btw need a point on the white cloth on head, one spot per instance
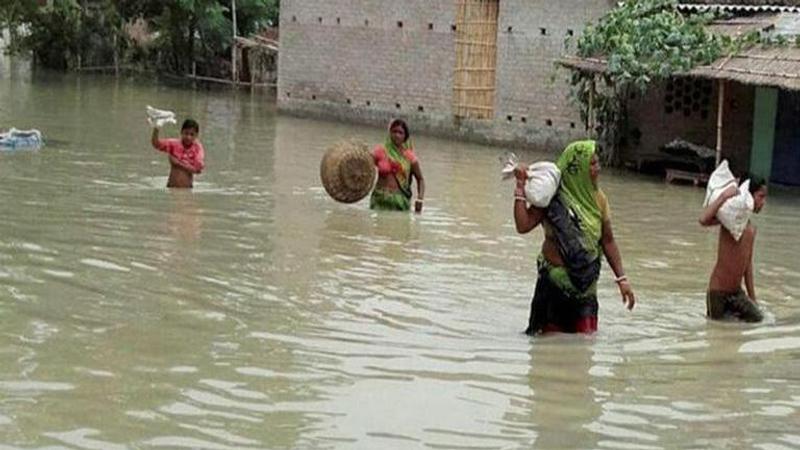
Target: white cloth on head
(158, 118)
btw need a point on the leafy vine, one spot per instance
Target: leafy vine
(641, 42)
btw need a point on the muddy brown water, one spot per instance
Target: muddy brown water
(255, 312)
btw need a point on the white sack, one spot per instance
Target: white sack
(158, 118)
(736, 211)
(719, 180)
(542, 184)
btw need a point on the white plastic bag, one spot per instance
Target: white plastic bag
(157, 118)
(736, 211)
(542, 184)
(16, 139)
(543, 179)
(719, 180)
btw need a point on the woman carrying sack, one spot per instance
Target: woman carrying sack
(577, 228)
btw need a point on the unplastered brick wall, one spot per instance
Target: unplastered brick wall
(378, 55)
(369, 60)
(531, 37)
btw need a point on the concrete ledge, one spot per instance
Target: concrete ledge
(491, 132)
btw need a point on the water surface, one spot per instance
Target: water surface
(255, 312)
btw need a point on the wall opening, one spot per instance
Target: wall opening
(476, 58)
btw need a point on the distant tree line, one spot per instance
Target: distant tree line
(166, 35)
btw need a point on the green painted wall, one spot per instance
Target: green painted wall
(764, 113)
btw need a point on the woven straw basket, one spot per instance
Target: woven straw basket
(348, 171)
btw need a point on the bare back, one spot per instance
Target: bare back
(733, 259)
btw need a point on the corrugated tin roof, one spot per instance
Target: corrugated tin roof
(742, 2)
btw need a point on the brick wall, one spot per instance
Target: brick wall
(655, 120)
(532, 91)
(370, 60)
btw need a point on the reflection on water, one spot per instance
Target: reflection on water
(254, 312)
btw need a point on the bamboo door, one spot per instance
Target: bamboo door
(476, 58)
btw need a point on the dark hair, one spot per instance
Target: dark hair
(191, 123)
(401, 123)
(756, 181)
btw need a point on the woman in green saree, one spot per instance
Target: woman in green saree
(397, 163)
(577, 228)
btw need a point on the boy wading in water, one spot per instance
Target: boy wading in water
(725, 298)
(185, 154)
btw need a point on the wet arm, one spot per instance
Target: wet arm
(525, 218)
(154, 139)
(611, 251)
(416, 169)
(709, 216)
(197, 163)
(193, 164)
(184, 164)
(749, 282)
(614, 258)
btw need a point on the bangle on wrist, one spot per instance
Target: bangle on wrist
(520, 198)
(620, 279)
(419, 200)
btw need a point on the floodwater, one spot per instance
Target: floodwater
(255, 312)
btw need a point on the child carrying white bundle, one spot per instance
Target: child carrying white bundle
(736, 211)
(542, 181)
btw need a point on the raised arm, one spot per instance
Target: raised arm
(154, 138)
(709, 216)
(525, 218)
(614, 259)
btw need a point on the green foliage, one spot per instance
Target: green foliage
(254, 15)
(91, 31)
(54, 33)
(647, 40)
(202, 31)
(189, 29)
(12, 14)
(643, 41)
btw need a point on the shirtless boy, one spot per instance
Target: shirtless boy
(725, 297)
